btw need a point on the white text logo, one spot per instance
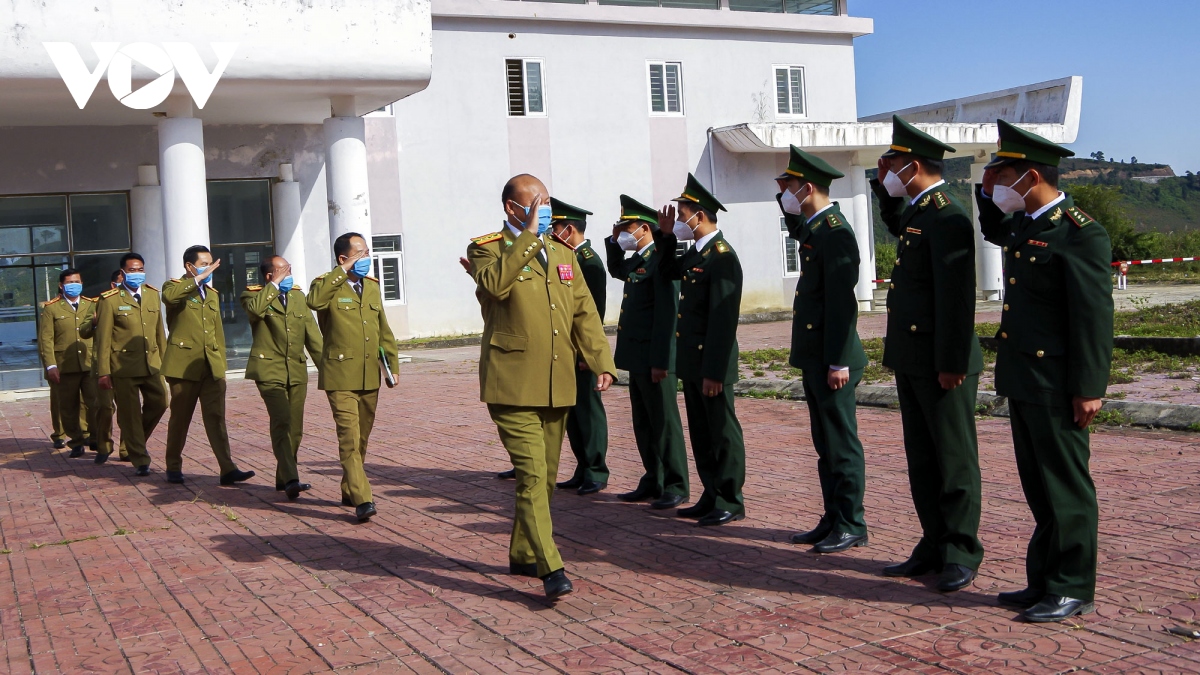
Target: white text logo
(166, 61)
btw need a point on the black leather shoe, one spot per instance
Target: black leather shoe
(837, 542)
(571, 484)
(1057, 608)
(292, 489)
(175, 477)
(304, 487)
(590, 487)
(638, 495)
(1024, 598)
(236, 476)
(814, 535)
(364, 511)
(101, 458)
(76, 451)
(523, 570)
(911, 568)
(955, 577)
(60, 444)
(694, 511)
(511, 474)
(143, 470)
(719, 517)
(556, 584)
(667, 501)
(346, 501)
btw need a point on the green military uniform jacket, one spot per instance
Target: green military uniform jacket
(592, 269)
(354, 330)
(825, 308)
(280, 335)
(129, 335)
(649, 304)
(195, 333)
(535, 319)
(1056, 330)
(931, 298)
(64, 335)
(710, 300)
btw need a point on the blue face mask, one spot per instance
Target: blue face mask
(286, 284)
(72, 290)
(135, 280)
(362, 267)
(544, 213)
(201, 270)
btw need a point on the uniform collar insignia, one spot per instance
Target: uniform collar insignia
(1058, 212)
(925, 202)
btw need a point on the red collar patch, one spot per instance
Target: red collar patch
(1038, 243)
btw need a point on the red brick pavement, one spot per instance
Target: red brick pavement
(109, 573)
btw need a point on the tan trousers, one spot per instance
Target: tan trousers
(354, 415)
(285, 409)
(210, 392)
(76, 399)
(141, 403)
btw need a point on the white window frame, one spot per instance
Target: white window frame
(650, 90)
(784, 238)
(803, 91)
(388, 110)
(377, 259)
(525, 61)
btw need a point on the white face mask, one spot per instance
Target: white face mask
(894, 186)
(1009, 200)
(627, 241)
(791, 204)
(683, 231)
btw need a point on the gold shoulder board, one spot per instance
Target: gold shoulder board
(150, 287)
(941, 200)
(1078, 216)
(721, 247)
(51, 302)
(587, 254)
(254, 288)
(488, 238)
(110, 292)
(834, 221)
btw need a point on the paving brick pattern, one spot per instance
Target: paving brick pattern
(107, 573)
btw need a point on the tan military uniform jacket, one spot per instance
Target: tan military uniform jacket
(64, 335)
(129, 336)
(280, 335)
(196, 339)
(534, 320)
(354, 329)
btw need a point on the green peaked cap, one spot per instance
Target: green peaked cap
(1018, 144)
(632, 209)
(696, 193)
(908, 139)
(809, 168)
(560, 210)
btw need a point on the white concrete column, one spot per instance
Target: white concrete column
(146, 223)
(860, 218)
(184, 190)
(289, 239)
(346, 170)
(989, 263)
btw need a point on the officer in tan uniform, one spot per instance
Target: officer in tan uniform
(100, 418)
(68, 355)
(357, 341)
(194, 364)
(129, 345)
(527, 362)
(283, 326)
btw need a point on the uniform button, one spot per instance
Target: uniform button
(1040, 353)
(556, 357)
(618, 328)
(908, 243)
(1012, 280)
(625, 296)
(520, 278)
(889, 310)
(677, 335)
(180, 344)
(809, 326)
(1032, 258)
(341, 356)
(1004, 335)
(797, 292)
(1017, 254)
(897, 261)
(913, 328)
(261, 356)
(1006, 249)
(368, 339)
(555, 332)
(699, 346)
(1006, 306)
(891, 285)
(622, 310)
(681, 296)
(807, 258)
(552, 306)
(801, 274)
(678, 316)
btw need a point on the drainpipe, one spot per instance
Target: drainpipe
(712, 172)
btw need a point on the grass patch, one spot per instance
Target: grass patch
(1112, 418)
(1174, 320)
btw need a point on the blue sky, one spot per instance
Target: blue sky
(1139, 62)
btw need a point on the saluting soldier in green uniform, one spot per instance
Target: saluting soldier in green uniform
(539, 320)
(67, 354)
(1053, 361)
(101, 418)
(825, 346)
(587, 424)
(282, 325)
(706, 356)
(194, 364)
(356, 336)
(646, 348)
(931, 345)
(129, 348)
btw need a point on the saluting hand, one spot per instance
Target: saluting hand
(531, 219)
(666, 219)
(351, 259)
(603, 382)
(208, 272)
(466, 264)
(989, 181)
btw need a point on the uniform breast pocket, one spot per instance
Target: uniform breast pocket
(181, 344)
(913, 257)
(1044, 269)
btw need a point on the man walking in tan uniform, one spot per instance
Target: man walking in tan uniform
(67, 353)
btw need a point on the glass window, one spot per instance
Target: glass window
(666, 88)
(526, 87)
(33, 225)
(789, 90)
(687, 4)
(823, 7)
(388, 254)
(100, 222)
(791, 251)
(96, 270)
(239, 212)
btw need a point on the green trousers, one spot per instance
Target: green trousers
(210, 393)
(76, 401)
(659, 434)
(59, 431)
(841, 468)
(587, 429)
(533, 438)
(354, 417)
(943, 467)
(141, 403)
(101, 424)
(1052, 460)
(717, 447)
(285, 410)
